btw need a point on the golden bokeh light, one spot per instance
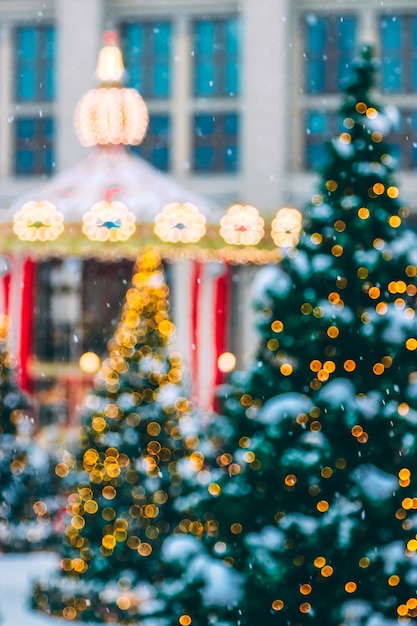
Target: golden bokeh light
(89, 362)
(226, 362)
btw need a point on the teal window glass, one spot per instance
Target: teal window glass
(216, 53)
(147, 56)
(398, 38)
(156, 146)
(34, 71)
(330, 42)
(215, 144)
(402, 141)
(318, 128)
(34, 152)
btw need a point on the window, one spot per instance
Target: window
(216, 70)
(216, 142)
(318, 128)
(34, 84)
(402, 141)
(34, 64)
(147, 58)
(147, 53)
(398, 72)
(330, 45)
(34, 146)
(156, 146)
(216, 58)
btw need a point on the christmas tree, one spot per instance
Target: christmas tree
(25, 505)
(137, 430)
(314, 498)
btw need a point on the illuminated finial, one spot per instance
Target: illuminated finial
(110, 68)
(111, 114)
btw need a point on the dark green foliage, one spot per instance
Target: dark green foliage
(316, 496)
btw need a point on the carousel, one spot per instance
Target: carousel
(68, 249)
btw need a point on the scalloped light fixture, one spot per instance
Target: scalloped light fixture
(180, 223)
(286, 227)
(109, 221)
(38, 221)
(111, 114)
(242, 225)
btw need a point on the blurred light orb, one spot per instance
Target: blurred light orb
(110, 66)
(286, 227)
(226, 362)
(242, 225)
(89, 362)
(111, 115)
(180, 223)
(38, 221)
(109, 221)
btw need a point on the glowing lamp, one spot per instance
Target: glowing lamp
(38, 221)
(242, 225)
(111, 116)
(286, 227)
(226, 362)
(180, 223)
(89, 362)
(109, 221)
(110, 68)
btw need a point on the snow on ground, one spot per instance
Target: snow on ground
(16, 573)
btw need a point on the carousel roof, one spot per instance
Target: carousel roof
(111, 173)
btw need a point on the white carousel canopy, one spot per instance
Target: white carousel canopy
(111, 173)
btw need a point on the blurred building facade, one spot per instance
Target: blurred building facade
(241, 95)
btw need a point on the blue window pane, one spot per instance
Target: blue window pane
(216, 143)
(315, 157)
(204, 157)
(26, 85)
(205, 124)
(231, 158)
(315, 122)
(216, 57)
(34, 146)
(347, 34)
(160, 158)
(391, 32)
(155, 147)
(232, 78)
(315, 76)
(205, 79)
(316, 34)
(147, 52)
(26, 43)
(329, 50)
(232, 36)
(162, 38)
(391, 74)
(25, 161)
(161, 80)
(25, 129)
(205, 37)
(35, 48)
(231, 124)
